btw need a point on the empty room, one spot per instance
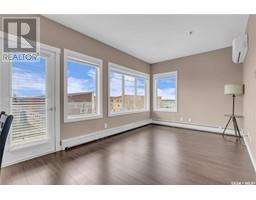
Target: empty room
(128, 99)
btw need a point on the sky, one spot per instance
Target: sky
(81, 77)
(166, 88)
(129, 84)
(115, 84)
(28, 78)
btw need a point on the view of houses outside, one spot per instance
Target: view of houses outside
(133, 96)
(116, 103)
(81, 103)
(166, 103)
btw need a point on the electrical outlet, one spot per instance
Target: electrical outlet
(189, 119)
(181, 119)
(106, 125)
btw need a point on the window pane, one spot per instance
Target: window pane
(29, 79)
(28, 102)
(129, 92)
(81, 86)
(115, 91)
(141, 91)
(166, 93)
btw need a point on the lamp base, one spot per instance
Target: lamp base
(236, 128)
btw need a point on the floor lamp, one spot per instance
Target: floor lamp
(234, 90)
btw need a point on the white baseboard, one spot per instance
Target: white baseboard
(250, 153)
(194, 127)
(74, 141)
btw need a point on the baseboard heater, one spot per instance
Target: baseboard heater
(194, 127)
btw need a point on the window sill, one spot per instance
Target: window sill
(77, 119)
(127, 113)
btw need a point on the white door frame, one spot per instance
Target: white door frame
(56, 52)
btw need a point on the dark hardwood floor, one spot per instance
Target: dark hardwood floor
(148, 155)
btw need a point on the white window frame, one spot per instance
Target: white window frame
(130, 72)
(69, 54)
(159, 76)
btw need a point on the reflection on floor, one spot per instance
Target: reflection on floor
(148, 155)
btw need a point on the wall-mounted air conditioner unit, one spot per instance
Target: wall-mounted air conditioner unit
(239, 49)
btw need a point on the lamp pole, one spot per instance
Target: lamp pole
(233, 108)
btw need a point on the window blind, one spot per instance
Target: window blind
(30, 118)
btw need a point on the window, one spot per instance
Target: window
(83, 88)
(128, 90)
(28, 101)
(165, 92)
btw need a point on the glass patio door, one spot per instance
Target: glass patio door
(29, 95)
(29, 102)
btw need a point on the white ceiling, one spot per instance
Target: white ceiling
(155, 38)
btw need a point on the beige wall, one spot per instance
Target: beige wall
(201, 80)
(249, 78)
(57, 35)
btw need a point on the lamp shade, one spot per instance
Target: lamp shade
(234, 89)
